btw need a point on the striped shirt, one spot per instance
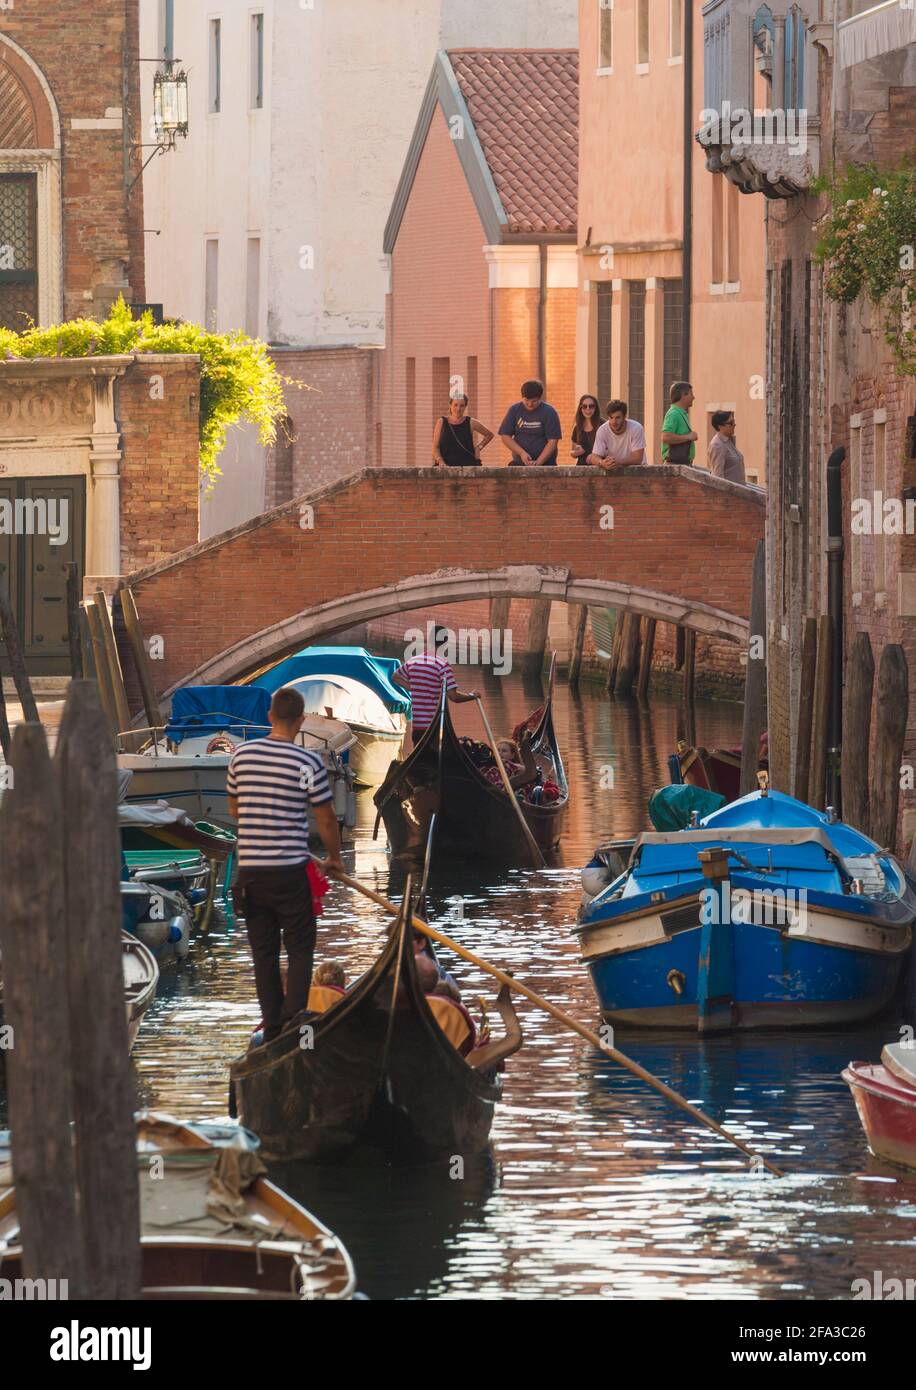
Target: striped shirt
(275, 783)
(424, 676)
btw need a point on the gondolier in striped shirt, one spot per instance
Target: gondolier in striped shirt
(424, 677)
(272, 783)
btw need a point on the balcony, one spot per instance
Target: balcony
(771, 149)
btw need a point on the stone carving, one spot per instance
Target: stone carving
(30, 408)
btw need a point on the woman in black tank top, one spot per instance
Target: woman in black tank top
(453, 437)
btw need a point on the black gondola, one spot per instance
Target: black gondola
(473, 816)
(369, 1074)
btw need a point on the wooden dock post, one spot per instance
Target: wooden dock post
(645, 659)
(39, 1066)
(115, 674)
(857, 699)
(688, 702)
(629, 655)
(616, 645)
(805, 718)
(893, 703)
(499, 612)
(820, 726)
(140, 653)
(100, 664)
(10, 634)
(73, 621)
(104, 1129)
(536, 642)
(4, 725)
(579, 618)
(755, 682)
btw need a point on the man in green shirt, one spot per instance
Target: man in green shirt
(677, 436)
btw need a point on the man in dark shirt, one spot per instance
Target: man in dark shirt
(531, 428)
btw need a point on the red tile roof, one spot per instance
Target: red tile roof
(525, 107)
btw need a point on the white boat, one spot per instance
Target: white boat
(186, 764)
(378, 732)
(141, 980)
(211, 1225)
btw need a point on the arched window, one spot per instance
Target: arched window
(30, 195)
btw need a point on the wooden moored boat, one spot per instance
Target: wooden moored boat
(376, 1070)
(212, 1226)
(885, 1097)
(473, 816)
(141, 980)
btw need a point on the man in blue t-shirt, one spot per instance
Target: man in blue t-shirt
(531, 429)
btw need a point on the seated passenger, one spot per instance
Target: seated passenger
(329, 983)
(447, 1009)
(518, 761)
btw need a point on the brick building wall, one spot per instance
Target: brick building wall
(160, 480)
(332, 428)
(85, 52)
(441, 308)
(830, 364)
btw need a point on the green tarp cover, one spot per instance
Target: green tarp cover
(670, 807)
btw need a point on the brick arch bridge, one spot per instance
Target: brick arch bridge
(680, 548)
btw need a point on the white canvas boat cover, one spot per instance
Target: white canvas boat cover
(149, 814)
(349, 700)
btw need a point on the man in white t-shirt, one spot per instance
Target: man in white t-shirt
(619, 441)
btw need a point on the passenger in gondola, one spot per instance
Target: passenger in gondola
(445, 1002)
(518, 760)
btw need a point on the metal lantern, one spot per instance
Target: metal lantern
(170, 104)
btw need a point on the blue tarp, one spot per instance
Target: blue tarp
(355, 662)
(210, 709)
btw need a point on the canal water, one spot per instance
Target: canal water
(595, 1187)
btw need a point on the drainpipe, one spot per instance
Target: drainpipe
(835, 611)
(542, 314)
(687, 255)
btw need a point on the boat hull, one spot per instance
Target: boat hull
(141, 980)
(366, 1077)
(832, 971)
(887, 1110)
(372, 754)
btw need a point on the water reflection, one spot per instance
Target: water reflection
(596, 1187)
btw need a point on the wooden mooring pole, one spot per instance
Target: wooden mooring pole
(68, 1079)
(820, 726)
(755, 683)
(579, 618)
(857, 698)
(892, 708)
(10, 634)
(805, 718)
(645, 658)
(628, 664)
(74, 638)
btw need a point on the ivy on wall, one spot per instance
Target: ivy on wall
(867, 245)
(238, 381)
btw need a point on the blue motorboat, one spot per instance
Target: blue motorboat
(352, 685)
(794, 920)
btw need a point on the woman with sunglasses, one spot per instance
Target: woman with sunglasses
(588, 418)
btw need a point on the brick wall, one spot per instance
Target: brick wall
(332, 400)
(158, 412)
(82, 49)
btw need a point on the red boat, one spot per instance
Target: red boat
(885, 1097)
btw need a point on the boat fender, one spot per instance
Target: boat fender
(153, 934)
(595, 878)
(179, 934)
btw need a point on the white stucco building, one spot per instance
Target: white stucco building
(269, 216)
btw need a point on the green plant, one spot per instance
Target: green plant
(867, 244)
(238, 381)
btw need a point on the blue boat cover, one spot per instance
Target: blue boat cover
(211, 709)
(670, 808)
(355, 662)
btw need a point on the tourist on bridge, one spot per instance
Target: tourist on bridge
(620, 441)
(453, 437)
(531, 429)
(725, 458)
(272, 783)
(679, 441)
(424, 676)
(585, 430)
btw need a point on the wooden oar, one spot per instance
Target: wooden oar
(540, 1002)
(539, 860)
